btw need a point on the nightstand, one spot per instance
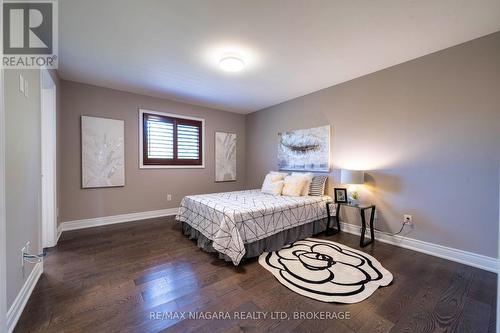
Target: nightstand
(330, 231)
(362, 209)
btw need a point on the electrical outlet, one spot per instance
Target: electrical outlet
(408, 219)
(169, 197)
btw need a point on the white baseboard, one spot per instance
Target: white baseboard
(17, 307)
(100, 221)
(59, 232)
(463, 257)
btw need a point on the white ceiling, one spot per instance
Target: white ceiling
(170, 48)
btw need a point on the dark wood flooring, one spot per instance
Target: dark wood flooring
(110, 279)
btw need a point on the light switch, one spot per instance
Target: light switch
(21, 83)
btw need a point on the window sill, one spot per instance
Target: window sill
(172, 166)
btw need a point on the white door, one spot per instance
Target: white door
(48, 142)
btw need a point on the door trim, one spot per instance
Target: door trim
(3, 240)
(48, 102)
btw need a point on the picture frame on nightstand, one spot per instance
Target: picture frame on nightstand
(340, 195)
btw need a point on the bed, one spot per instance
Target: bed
(244, 224)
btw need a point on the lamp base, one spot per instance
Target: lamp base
(353, 202)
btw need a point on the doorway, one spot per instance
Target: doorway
(49, 159)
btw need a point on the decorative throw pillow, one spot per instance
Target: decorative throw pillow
(273, 188)
(270, 180)
(317, 187)
(284, 174)
(309, 177)
(293, 186)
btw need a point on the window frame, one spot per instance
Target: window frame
(183, 164)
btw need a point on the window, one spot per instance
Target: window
(169, 140)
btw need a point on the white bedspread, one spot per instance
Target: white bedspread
(231, 219)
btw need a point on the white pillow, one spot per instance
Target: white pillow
(284, 174)
(273, 177)
(269, 180)
(293, 186)
(309, 177)
(273, 188)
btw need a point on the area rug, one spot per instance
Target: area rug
(326, 271)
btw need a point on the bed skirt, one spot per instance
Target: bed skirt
(255, 249)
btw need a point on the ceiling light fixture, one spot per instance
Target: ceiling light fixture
(231, 64)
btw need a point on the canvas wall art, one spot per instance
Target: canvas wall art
(305, 150)
(103, 152)
(225, 157)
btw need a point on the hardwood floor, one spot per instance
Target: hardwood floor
(111, 279)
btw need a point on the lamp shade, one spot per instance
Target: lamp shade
(352, 176)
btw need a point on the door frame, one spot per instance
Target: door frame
(3, 224)
(48, 123)
(3, 239)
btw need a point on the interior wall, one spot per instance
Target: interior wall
(22, 173)
(427, 132)
(145, 189)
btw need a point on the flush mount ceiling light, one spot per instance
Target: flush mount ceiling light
(230, 57)
(231, 63)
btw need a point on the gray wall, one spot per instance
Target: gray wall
(146, 189)
(23, 169)
(427, 131)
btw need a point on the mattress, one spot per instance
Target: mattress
(232, 219)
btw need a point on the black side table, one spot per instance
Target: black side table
(362, 208)
(330, 231)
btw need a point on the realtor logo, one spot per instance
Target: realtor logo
(29, 34)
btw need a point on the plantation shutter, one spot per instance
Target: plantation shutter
(188, 142)
(160, 138)
(171, 141)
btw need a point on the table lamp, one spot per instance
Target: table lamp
(352, 178)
